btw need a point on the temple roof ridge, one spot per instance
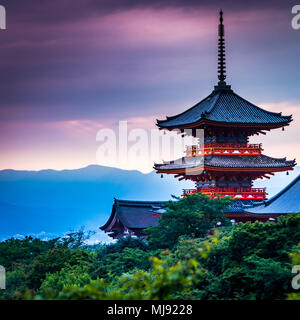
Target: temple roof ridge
(137, 202)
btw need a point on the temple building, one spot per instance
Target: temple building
(226, 165)
(130, 218)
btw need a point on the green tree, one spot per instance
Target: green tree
(193, 216)
(16, 252)
(76, 239)
(117, 263)
(159, 283)
(121, 244)
(16, 283)
(251, 261)
(54, 260)
(244, 261)
(76, 275)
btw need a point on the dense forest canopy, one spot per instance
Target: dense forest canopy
(184, 257)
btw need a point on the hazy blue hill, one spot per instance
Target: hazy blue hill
(24, 220)
(56, 201)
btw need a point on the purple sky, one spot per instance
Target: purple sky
(69, 68)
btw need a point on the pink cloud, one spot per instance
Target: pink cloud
(122, 49)
(278, 143)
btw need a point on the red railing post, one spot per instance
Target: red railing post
(224, 148)
(234, 192)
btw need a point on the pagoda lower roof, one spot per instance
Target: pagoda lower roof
(227, 162)
(224, 106)
(285, 202)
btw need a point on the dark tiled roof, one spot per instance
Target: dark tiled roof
(238, 206)
(134, 214)
(224, 106)
(227, 161)
(286, 201)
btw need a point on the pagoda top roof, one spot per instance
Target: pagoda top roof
(223, 105)
(284, 202)
(256, 162)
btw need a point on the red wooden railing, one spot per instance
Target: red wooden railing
(224, 149)
(189, 191)
(245, 193)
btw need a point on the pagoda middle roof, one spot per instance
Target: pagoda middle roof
(223, 105)
(227, 162)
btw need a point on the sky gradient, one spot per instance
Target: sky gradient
(69, 69)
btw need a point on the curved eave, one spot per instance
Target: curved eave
(107, 227)
(203, 111)
(168, 118)
(264, 213)
(222, 169)
(204, 121)
(110, 222)
(244, 214)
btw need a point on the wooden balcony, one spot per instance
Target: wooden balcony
(244, 193)
(224, 149)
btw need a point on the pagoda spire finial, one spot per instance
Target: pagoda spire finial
(221, 53)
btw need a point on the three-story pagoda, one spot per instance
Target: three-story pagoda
(227, 164)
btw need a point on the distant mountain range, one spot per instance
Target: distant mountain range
(47, 203)
(50, 202)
